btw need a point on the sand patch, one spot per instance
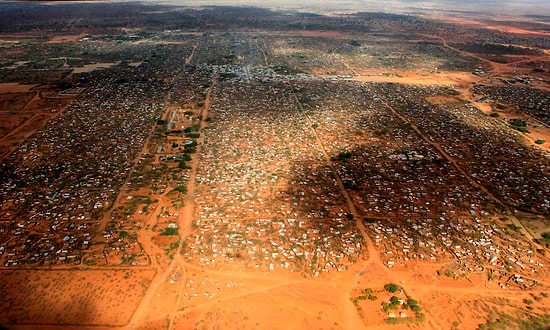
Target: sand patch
(78, 297)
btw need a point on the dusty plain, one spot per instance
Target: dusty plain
(245, 168)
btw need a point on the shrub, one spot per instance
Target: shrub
(519, 124)
(181, 189)
(521, 129)
(174, 245)
(341, 156)
(544, 240)
(194, 135)
(416, 308)
(391, 287)
(194, 128)
(514, 227)
(169, 232)
(183, 165)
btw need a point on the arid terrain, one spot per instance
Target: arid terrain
(166, 167)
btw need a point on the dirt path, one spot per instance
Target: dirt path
(263, 49)
(187, 217)
(145, 236)
(190, 57)
(184, 223)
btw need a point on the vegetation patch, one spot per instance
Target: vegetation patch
(169, 231)
(519, 124)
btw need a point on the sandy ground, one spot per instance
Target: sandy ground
(15, 88)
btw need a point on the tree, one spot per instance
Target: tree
(391, 287)
(169, 232)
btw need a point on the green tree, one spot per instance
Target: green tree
(391, 287)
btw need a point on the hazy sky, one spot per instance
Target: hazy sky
(512, 7)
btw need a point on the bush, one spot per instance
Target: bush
(518, 122)
(539, 141)
(391, 287)
(194, 135)
(169, 232)
(514, 227)
(181, 189)
(453, 91)
(521, 129)
(194, 128)
(184, 165)
(341, 156)
(416, 308)
(174, 245)
(544, 240)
